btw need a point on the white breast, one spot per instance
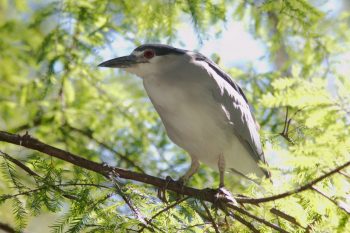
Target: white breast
(191, 118)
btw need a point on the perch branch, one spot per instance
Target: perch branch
(204, 194)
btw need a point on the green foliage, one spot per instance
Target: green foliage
(51, 87)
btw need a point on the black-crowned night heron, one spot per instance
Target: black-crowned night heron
(203, 110)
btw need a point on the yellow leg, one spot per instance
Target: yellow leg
(192, 170)
(221, 165)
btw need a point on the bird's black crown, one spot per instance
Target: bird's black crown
(161, 49)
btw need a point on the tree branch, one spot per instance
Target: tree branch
(330, 199)
(297, 190)
(32, 173)
(149, 221)
(344, 174)
(123, 157)
(287, 122)
(204, 194)
(128, 201)
(105, 170)
(244, 222)
(19, 164)
(261, 220)
(210, 217)
(55, 186)
(7, 228)
(285, 216)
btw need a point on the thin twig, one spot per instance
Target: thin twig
(8, 196)
(37, 176)
(89, 135)
(344, 174)
(297, 190)
(19, 164)
(7, 228)
(85, 184)
(244, 222)
(149, 221)
(31, 172)
(192, 226)
(210, 217)
(127, 200)
(285, 121)
(261, 220)
(286, 217)
(330, 199)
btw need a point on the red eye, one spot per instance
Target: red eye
(148, 54)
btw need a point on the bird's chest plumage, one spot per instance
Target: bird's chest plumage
(192, 118)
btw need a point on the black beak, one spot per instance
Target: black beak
(120, 62)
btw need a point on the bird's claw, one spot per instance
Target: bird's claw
(162, 191)
(181, 182)
(223, 193)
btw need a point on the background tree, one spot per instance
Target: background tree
(102, 122)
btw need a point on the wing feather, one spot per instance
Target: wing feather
(237, 109)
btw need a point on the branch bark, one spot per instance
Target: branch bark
(19, 164)
(331, 200)
(7, 228)
(297, 190)
(111, 172)
(267, 223)
(215, 226)
(123, 157)
(105, 170)
(285, 216)
(249, 225)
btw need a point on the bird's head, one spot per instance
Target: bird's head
(147, 60)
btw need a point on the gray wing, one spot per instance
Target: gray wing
(236, 107)
(241, 118)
